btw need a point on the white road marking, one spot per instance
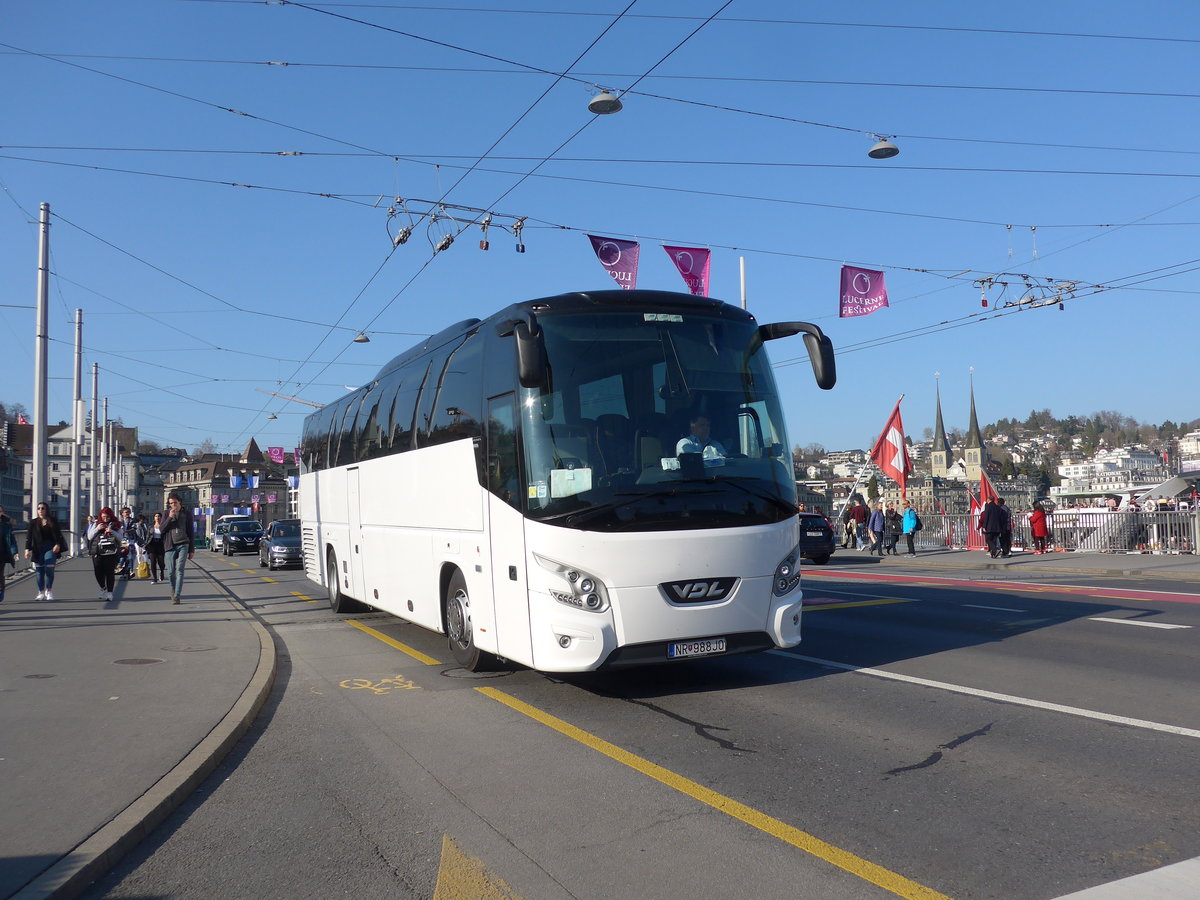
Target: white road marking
(999, 608)
(1135, 622)
(992, 695)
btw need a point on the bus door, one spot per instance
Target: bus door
(354, 537)
(506, 531)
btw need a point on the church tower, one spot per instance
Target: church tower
(941, 456)
(975, 451)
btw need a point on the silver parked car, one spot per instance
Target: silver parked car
(280, 546)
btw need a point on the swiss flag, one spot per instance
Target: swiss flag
(889, 452)
(986, 490)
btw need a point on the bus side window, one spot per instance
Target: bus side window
(502, 450)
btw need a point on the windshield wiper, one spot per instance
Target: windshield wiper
(578, 517)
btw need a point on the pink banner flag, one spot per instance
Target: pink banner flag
(275, 454)
(692, 263)
(296, 455)
(619, 258)
(863, 292)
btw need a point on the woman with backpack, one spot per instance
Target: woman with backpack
(104, 544)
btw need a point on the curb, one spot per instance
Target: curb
(76, 871)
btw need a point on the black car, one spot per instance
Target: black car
(816, 538)
(242, 537)
(280, 546)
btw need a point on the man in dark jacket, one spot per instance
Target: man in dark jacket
(991, 523)
(179, 536)
(1006, 529)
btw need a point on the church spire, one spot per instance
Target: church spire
(940, 443)
(974, 438)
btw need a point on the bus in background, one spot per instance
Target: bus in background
(523, 484)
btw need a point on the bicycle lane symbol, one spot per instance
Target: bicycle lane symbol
(383, 686)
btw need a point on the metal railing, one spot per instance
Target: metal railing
(1086, 531)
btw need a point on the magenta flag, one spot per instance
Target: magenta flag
(692, 263)
(863, 292)
(296, 455)
(275, 454)
(619, 258)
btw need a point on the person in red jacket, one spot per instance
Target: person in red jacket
(1039, 527)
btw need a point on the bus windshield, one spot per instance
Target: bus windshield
(654, 421)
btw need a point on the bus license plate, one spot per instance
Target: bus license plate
(707, 647)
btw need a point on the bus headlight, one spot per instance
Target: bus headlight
(574, 587)
(787, 573)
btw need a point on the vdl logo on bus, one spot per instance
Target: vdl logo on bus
(699, 591)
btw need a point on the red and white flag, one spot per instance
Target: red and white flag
(890, 453)
(986, 489)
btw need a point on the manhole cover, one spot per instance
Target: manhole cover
(137, 662)
(189, 648)
(464, 673)
(39, 676)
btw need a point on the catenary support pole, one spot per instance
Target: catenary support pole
(40, 365)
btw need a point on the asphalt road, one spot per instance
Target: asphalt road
(972, 737)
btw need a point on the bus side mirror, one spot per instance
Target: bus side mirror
(531, 356)
(818, 345)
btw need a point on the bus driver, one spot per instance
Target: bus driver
(699, 441)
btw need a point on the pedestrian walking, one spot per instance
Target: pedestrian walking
(179, 538)
(1006, 528)
(911, 523)
(44, 542)
(104, 544)
(877, 524)
(990, 520)
(1039, 528)
(138, 533)
(155, 551)
(860, 514)
(849, 528)
(8, 548)
(893, 525)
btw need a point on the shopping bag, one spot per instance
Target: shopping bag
(143, 570)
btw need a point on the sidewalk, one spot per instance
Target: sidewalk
(111, 714)
(1177, 567)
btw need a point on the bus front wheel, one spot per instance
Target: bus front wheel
(338, 601)
(458, 626)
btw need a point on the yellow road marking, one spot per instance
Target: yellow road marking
(802, 840)
(462, 877)
(269, 580)
(392, 642)
(851, 603)
(302, 597)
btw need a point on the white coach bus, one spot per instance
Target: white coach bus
(518, 484)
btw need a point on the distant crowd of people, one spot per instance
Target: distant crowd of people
(131, 547)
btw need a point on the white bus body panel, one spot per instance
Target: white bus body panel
(632, 566)
(397, 523)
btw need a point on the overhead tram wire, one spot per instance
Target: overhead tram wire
(424, 159)
(739, 20)
(550, 155)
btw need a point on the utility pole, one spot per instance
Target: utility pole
(104, 460)
(76, 437)
(40, 348)
(93, 447)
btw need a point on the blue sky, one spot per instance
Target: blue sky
(213, 263)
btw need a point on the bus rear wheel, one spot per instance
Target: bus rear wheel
(459, 629)
(338, 601)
